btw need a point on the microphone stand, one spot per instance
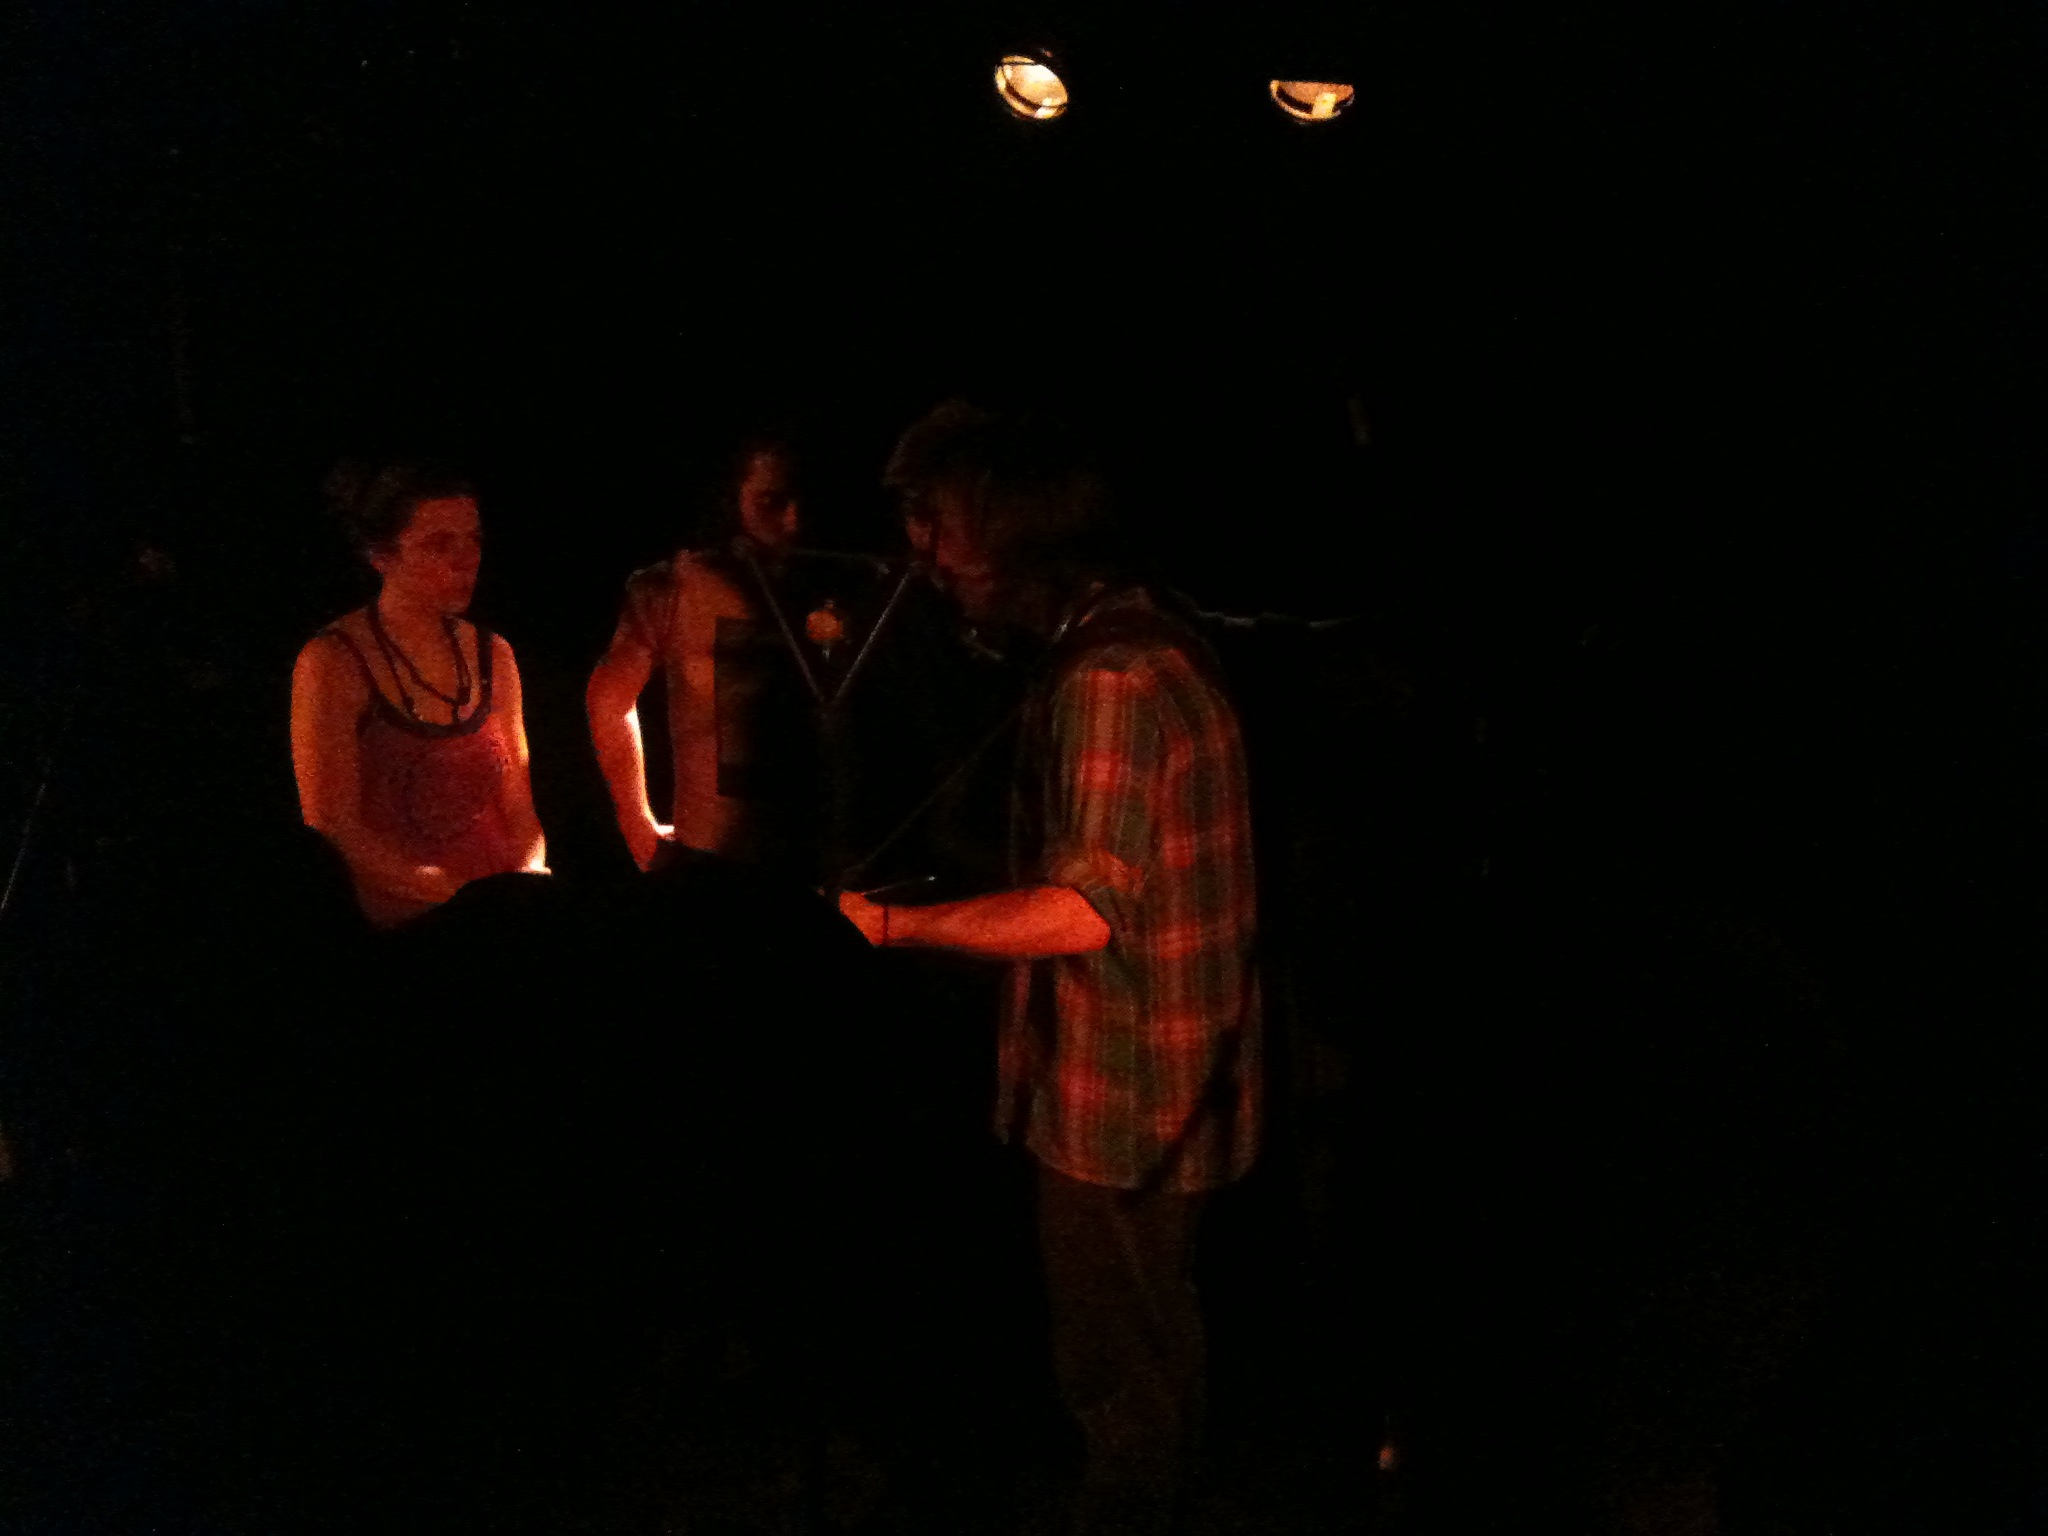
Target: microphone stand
(830, 707)
(745, 550)
(867, 645)
(35, 807)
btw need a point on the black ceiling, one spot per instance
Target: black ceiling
(1547, 247)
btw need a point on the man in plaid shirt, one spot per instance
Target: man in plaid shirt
(1129, 1052)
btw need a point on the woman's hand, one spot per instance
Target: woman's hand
(870, 917)
(432, 883)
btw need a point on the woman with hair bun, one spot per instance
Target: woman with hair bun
(407, 737)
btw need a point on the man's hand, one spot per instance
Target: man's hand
(644, 840)
(868, 916)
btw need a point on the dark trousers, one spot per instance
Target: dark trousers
(1127, 1344)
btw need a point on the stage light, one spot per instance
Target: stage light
(1030, 87)
(1312, 101)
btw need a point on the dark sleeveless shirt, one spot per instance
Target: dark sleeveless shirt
(434, 792)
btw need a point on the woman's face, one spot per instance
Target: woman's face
(434, 560)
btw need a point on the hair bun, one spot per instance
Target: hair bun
(343, 488)
(376, 501)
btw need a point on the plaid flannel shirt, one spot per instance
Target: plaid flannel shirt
(1137, 1066)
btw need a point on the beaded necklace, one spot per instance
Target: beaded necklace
(395, 657)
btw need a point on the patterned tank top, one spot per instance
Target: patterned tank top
(434, 792)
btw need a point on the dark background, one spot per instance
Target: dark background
(1653, 858)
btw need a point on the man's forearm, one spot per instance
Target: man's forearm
(623, 762)
(1030, 924)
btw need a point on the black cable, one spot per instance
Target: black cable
(745, 551)
(945, 786)
(49, 771)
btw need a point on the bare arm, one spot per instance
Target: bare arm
(613, 699)
(1100, 836)
(519, 815)
(328, 697)
(1033, 923)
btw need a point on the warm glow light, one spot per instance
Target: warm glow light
(1312, 101)
(1030, 88)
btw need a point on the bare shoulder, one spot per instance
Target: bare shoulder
(328, 656)
(328, 683)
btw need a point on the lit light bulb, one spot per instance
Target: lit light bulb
(1030, 87)
(1313, 101)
